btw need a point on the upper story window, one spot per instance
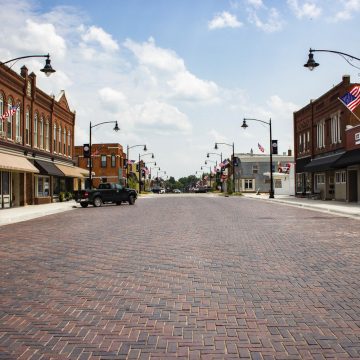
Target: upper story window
(28, 88)
(69, 143)
(41, 131)
(113, 160)
(335, 128)
(320, 134)
(9, 120)
(59, 140)
(18, 125)
(54, 140)
(255, 169)
(64, 141)
(1, 111)
(35, 130)
(27, 127)
(103, 161)
(47, 135)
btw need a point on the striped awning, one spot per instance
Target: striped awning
(16, 163)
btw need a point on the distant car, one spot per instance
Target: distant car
(158, 190)
(177, 191)
(162, 191)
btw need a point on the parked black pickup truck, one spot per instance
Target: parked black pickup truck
(106, 193)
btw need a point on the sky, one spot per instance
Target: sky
(180, 75)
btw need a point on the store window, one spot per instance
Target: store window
(248, 184)
(340, 177)
(319, 181)
(42, 185)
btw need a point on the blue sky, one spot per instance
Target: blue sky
(180, 75)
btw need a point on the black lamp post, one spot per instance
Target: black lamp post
(127, 157)
(244, 126)
(140, 156)
(312, 64)
(232, 161)
(47, 70)
(116, 128)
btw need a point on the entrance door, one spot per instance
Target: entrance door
(5, 187)
(353, 190)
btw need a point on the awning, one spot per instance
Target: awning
(323, 163)
(16, 163)
(47, 168)
(301, 163)
(351, 157)
(73, 171)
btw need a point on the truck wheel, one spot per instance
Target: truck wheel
(131, 200)
(84, 204)
(97, 201)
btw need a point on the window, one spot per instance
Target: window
(41, 130)
(69, 143)
(103, 161)
(300, 144)
(54, 147)
(113, 160)
(27, 127)
(335, 128)
(319, 180)
(28, 88)
(320, 134)
(1, 112)
(42, 186)
(248, 184)
(17, 125)
(304, 141)
(59, 140)
(35, 130)
(64, 142)
(340, 177)
(47, 135)
(9, 120)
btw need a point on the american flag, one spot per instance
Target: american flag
(10, 112)
(130, 162)
(261, 148)
(352, 98)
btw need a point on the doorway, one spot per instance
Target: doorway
(353, 186)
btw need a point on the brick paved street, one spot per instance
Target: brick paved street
(178, 277)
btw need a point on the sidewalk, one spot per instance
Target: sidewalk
(330, 206)
(23, 213)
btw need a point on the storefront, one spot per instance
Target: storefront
(74, 177)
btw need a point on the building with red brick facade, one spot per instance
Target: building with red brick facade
(107, 163)
(326, 144)
(36, 142)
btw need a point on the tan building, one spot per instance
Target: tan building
(36, 142)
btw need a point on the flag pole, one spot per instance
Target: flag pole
(348, 109)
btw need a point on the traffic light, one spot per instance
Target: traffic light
(86, 151)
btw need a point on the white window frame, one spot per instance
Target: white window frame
(47, 135)
(340, 177)
(320, 134)
(59, 140)
(41, 130)
(54, 140)
(42, 182)
(69, 143)
(247, 182)
(36, 130)
(335, 128)
(9, 121)
(27, 127)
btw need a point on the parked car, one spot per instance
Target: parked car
(106, 193)
(176, 191)
(158, 190)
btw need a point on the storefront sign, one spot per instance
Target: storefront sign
(357, 138)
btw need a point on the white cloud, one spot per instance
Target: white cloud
(97, 35)
(112, 99)
(255, 3)
(272, 24)
(307, 9)
(224, 20)
(350, 7)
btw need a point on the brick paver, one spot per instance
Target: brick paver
(177, 277)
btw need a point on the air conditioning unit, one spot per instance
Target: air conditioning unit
(18, 139)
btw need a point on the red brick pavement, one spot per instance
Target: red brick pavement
(190, 278)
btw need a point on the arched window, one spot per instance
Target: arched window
(27, 127)
(54, 140)
(36, 130)
(9, 119)
(69, 143)
(47, 135)
(18, 125)
(59, 140)
(41, 130)
(1, 113)
(64, 141)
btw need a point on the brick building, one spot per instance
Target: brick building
(326, 150)
(36, 142)
(107, 163)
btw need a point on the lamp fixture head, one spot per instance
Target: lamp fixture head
(145, 148)
(207, 155)
(311, 63)
(152, 156)
(216, 147)
(48, 70)
(244, 124)
(205, 162)
(116, 127)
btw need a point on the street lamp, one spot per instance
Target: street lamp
(127, 157)
(232, 161)
(47, 70)
(244, 126)
(312, 64)
(116, 128)
(140, 156)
